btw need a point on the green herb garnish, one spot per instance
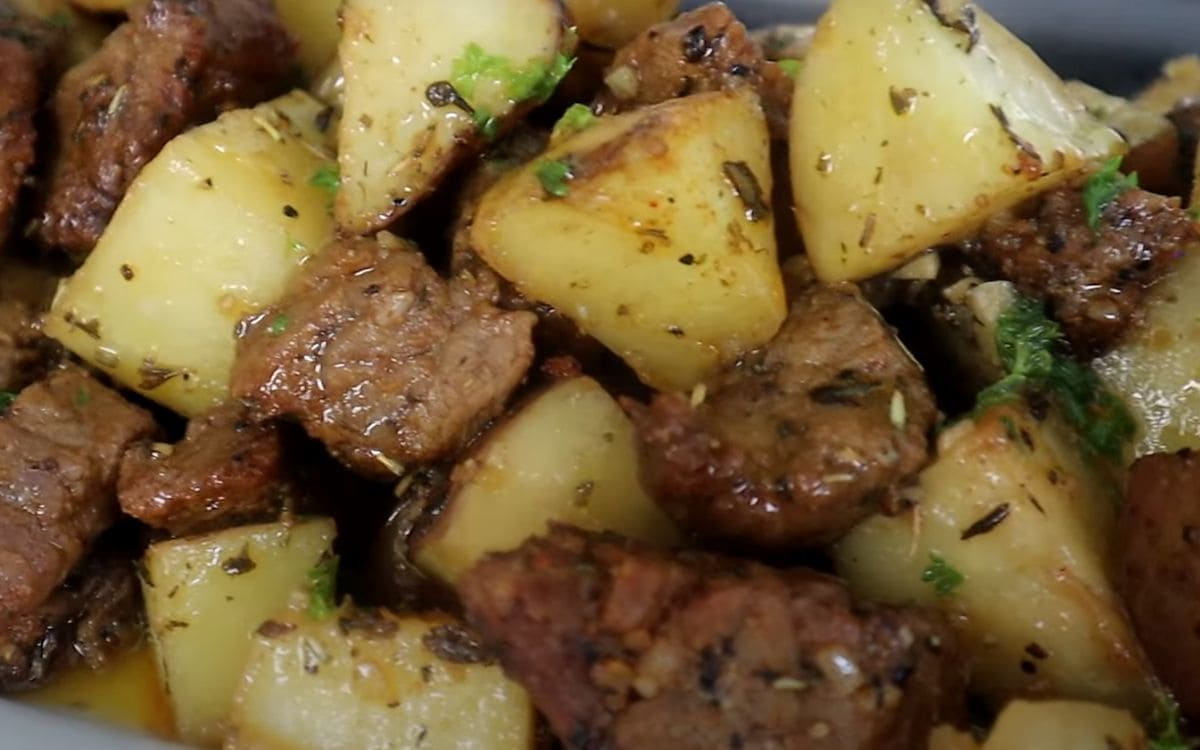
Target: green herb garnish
(83, 397)
(322, 588)
(279, 325)
(487, 125)
(6, 400)
(1167, 734)
(327, 178)
(577, 117)
(536, 80)
(60, 19)
(1103, 188)
(1033, 352)
(554, 176)
(790, 66)
(944, 578)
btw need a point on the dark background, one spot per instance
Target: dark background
(1118, 45)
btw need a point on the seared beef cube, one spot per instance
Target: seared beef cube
(1093, 281)
(706, 49)
(1158, 560)
(227, 470)
(175, 64)
(94, 615)
(631, 649)
(796, 442)
(61, 442)
(27, 46)
(382, 360)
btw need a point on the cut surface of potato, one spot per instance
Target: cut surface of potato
(910, 128)
(611, 23)
(399, 136)
(1156, 369)
(314, 26)
(661, 243)
(372, 680)
(1180, 80)
(206, 596)
(1051, 725)
(210, 232)
(1010, 535)
(568, 456)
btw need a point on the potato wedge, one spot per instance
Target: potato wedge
(372, 680)
(314, 25)
(611, 23)
(205, 597)
(1051, 725)
(210, 232)
(910, 127)
(1011, 506)
(1179, 81)
(661, 245)
(1156, 369)
(568, 456)
(1153, 139)
(399, 136)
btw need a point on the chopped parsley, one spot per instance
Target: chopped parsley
(554, 176)
(279, 325)
(1103, 188)
(322, 588)
(6, 400)
(1168, 735)
(790, 66)
(944, 578)
(83, 397)
(1194, 213)
(1033, 352)
(327, 178)
(536, 80)
(578, 117)
(60, 19)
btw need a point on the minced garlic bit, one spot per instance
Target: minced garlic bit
(789, 683)
(699, 393)
(898, 411)
(268, 128)
(390, 464)
(623, 82)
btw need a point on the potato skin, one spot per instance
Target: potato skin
(1159, 557)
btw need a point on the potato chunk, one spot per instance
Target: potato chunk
(567, 456)
(374, 680)
(657, 238)
(1010, 534)
(400, 132)
(913, 122)
(314, 24)
(1156, 368)
(210, 232)
(205, 597)
(1051, 725)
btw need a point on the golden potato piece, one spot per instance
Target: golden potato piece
(911, 127)
(652, 231)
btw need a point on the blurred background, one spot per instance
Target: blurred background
(1115, 44)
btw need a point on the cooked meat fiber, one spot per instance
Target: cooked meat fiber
(25, 293)
(1159, 562)
(228, 469)
(623, 648)
(796, 442)
(60, 444)
(706, 49)
(1092, 281)
(381, 359)
(93, 616)
(27, 47)
(176, 63)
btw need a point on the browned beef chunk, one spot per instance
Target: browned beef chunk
(381, 359)
(176, 63)
(25, 292)
(706, 49)
(26, 48)
(95, 614)
(1093, 281)
(228, 469)
(795, 442)
(624, 648)
(1159, 562)
(60, 444)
